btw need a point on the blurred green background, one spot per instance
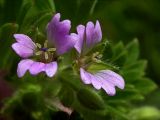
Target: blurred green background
(121, 20)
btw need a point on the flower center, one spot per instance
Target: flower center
(86, 61)
(44, 49)
(96, 57)
(45, 54)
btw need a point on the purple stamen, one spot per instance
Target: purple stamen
(44, 49)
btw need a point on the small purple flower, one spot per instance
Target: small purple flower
(89, 36)
(58, 34)
(25, 48)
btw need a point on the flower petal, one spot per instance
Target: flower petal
(88, 36)
(36, 68)
(22, 50)
(113, 78)
(58, 34)
(93, 34)
(105, 79)
(81, 33)
(25, 41)
(68, 45)
(89, 33)
(23, 66)
(85, 76)
(96, 82)
(98, 32)
(108, 87)
(51, 69)
(89, 78)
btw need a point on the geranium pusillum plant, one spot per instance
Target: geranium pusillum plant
(44, 58)
(88, 37)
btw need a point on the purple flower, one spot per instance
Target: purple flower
(25, 48)
(89, 36)
(58, 34)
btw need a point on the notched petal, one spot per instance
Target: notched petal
(105, 79)
(113, 78)
(98, 32)
(36, 68)
(109, 88)
(25, 41)
(23, 66)
(86, 78)
(96, 82)
(22, 50)
(80, 38)
(58, 34)
(51, 69)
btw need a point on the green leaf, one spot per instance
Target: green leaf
(9, 10)
(26, 5)
(120, 59)
(117, 113)
(47, 4)
(51, 87)
(38, 11)
(127, 94)
(99, 66)
(145, 85)
(6, 36)
(134, 70)
(31, 101)
(119, 54)
(67, 95)
(22, 96)
(7, 30)
(133, 51)
(90, 99)
(107, 51)
(131, 75)
(145, 113)
(118, 48)
(72, 80)
(139, 65)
